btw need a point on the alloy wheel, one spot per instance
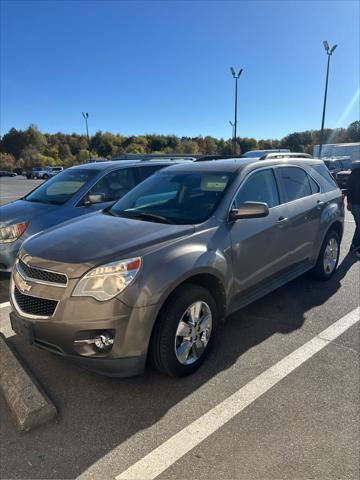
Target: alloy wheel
(331, 254)
(193, 333)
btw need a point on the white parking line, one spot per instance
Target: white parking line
(5, 304)
(181, 443)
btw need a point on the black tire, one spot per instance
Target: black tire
(45, 177)
(162, 344)
(319, 272)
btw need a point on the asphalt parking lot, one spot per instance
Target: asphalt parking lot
(306, 425)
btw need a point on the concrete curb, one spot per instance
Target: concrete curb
(30, 406)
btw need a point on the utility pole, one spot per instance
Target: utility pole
(232, 130)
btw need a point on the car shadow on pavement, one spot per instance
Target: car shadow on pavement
(98, 414)
(4, 286)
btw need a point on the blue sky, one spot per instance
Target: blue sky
(163, 67)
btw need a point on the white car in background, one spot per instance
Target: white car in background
(44, 173)
(261, 153)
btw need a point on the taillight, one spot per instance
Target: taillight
(342, 195)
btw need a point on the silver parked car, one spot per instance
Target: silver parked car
(150, 277)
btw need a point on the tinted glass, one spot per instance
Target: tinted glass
(181, 198)
(62, 187)
(146, 171)
(294, 182)
(314, 186)
(260, 187)
(327, 179)
(115, 185)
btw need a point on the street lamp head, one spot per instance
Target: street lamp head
(326, 46)
(232, 72)
(240, 72)
(333, 48)
(85, 115)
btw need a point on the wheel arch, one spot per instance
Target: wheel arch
(208, 280)
(338, 227)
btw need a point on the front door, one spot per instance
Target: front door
(259, 246)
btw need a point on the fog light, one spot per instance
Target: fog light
(103, 341)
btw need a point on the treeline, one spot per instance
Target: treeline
(29, 148)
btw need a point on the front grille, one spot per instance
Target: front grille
(44, 275)
(34, 305)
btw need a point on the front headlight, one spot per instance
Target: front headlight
(12, 232)
(107, 281)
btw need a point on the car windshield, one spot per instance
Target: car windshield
(174, 197)
(62, 187)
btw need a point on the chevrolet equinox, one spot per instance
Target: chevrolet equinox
(150, 277)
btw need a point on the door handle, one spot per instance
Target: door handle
(320, 204)
(281, 221)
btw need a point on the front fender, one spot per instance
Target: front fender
(163, 272)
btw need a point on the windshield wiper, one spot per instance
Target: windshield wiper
(145, 216)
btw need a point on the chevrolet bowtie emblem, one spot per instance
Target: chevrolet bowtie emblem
(23, 285)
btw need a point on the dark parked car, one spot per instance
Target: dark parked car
(342, 177)
(337, 165)
(150, 277)
(6, 173)
(75, 191)
(33, 173)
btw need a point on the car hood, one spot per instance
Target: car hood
(21, 210)
(77, 245)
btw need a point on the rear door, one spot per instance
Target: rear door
(301, 195)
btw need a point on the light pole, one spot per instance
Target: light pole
(329, 52)
(236, 77)
(86, 116)
(232, 129)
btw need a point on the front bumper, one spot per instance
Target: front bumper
(8, 252)
(110, 367)
(79, 318)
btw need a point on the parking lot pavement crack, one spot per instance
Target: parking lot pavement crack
(341, 345)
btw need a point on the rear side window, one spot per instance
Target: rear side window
(314, 186)
(295, 183)
(259, 187)
(146, 171)
(326, 177)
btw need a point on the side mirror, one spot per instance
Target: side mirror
(94, 198)
(249, 210)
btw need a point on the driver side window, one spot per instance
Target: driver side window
(259, 187)
(115, 184)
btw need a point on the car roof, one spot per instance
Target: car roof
(109, 165)
(238, 164)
